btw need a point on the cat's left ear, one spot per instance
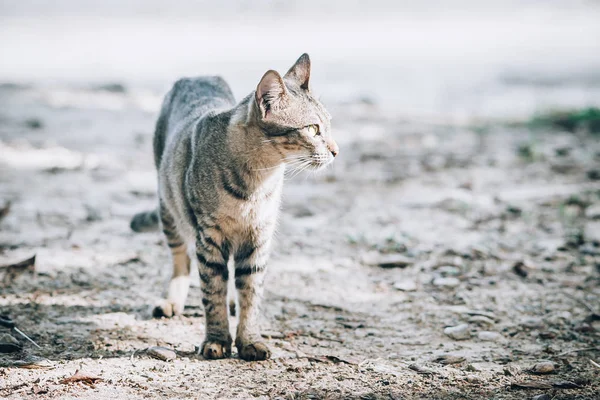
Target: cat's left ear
(300, 72)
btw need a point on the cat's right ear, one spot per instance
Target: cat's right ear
(270, 92)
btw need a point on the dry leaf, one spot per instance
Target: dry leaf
(79, 377)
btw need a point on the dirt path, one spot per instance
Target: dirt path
(495, 235)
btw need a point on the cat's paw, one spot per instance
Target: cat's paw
(214, 350)
(253, 351)
(167, 309)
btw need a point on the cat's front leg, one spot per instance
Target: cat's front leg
(212, 252)
(250, 265)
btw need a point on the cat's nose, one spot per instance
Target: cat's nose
(333, 148)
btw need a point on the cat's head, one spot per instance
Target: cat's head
(293, 120)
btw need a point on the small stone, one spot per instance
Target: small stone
(481, 320)
(448, 282)
(512, 370)
(449, 359)
(448, 270)
(559, 318)
(593, 212)
(541, 397)
(593, 174)
(405, 286)
(389, 261)
(473, 379)
(522, 268)
(458, 332)
(162, 353)
(532, 323)
(592, 232)
(489, 336)
(547, 335)
(543, 367)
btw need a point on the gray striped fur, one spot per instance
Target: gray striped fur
(220, 173)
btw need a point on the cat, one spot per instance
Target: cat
(220, 175)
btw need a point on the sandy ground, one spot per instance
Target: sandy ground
(495, 232)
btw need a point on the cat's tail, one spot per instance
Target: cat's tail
(145, 221)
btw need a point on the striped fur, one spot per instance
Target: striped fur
(220, 173)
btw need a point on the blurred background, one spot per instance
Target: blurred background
(452, 250)
(455, 59)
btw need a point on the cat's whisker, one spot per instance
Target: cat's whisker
(299, 169)
(288, 161)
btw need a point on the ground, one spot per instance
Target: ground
(419, 235)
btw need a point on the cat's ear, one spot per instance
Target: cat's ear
(300, 72)
(270, 92)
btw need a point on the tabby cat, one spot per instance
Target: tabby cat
(220, 175)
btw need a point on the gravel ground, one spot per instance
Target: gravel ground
(431, 261)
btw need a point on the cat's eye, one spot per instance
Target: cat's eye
(313, 130)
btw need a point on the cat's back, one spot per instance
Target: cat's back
(193, 97)
(188, 100)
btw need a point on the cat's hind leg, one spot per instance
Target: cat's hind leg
(180, 279)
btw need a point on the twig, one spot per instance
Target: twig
(594, 363)
(577, 351)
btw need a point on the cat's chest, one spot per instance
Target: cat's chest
(249, 215)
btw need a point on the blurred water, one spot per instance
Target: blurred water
(443, 58)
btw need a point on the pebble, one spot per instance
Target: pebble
(446, 282)
(593, 212)
(541, 397)
(473, 379)
(532, 323)
(406, 286)
(481, 320)
(449, 359)
(388, 260)
(559, 318)
(543, 367)
(592, 231)
(458, 332)
(489, 336)
(448, 270)
(162, 353)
